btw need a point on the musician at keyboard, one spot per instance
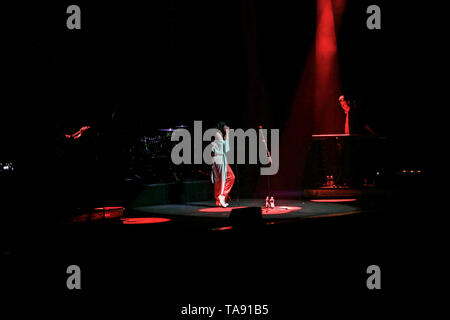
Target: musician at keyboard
(355, 119)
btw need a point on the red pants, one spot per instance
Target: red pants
(226, 188)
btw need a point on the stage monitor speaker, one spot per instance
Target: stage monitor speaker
(246, 217)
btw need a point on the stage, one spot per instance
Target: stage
(284, 210)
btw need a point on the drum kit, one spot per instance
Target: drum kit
(151, 156)
(159, 144)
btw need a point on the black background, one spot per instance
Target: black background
(172, 62)
(169, 63)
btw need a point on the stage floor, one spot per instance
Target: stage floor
(285, 209)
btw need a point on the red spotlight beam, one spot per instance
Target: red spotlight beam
(327, 78)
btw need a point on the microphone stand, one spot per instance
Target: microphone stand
(268, 155)
(237, 183)
(237, 180)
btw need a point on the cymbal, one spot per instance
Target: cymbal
(167, 130)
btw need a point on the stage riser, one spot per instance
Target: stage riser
(174, 193)
(346, 193)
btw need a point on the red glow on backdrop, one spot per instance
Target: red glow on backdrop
(143, 220)
(339, 8)
(315, 108)
(326, 35)
(327, 79)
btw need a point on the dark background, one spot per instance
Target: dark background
(167, 63)
(172, 62)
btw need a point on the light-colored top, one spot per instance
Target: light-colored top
(220, 164)
(220, 148)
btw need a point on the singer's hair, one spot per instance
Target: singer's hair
(350, 100)
(221, 127)
(346, 97)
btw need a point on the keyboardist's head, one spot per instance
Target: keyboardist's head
(345, 103)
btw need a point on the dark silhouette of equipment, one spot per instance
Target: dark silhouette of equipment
(249, 217)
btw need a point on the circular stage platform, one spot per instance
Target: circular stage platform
(285, 209)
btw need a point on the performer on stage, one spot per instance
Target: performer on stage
(354, 119)
(349, 169)
(222, 176)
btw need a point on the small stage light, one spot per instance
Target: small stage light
(412, 171)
